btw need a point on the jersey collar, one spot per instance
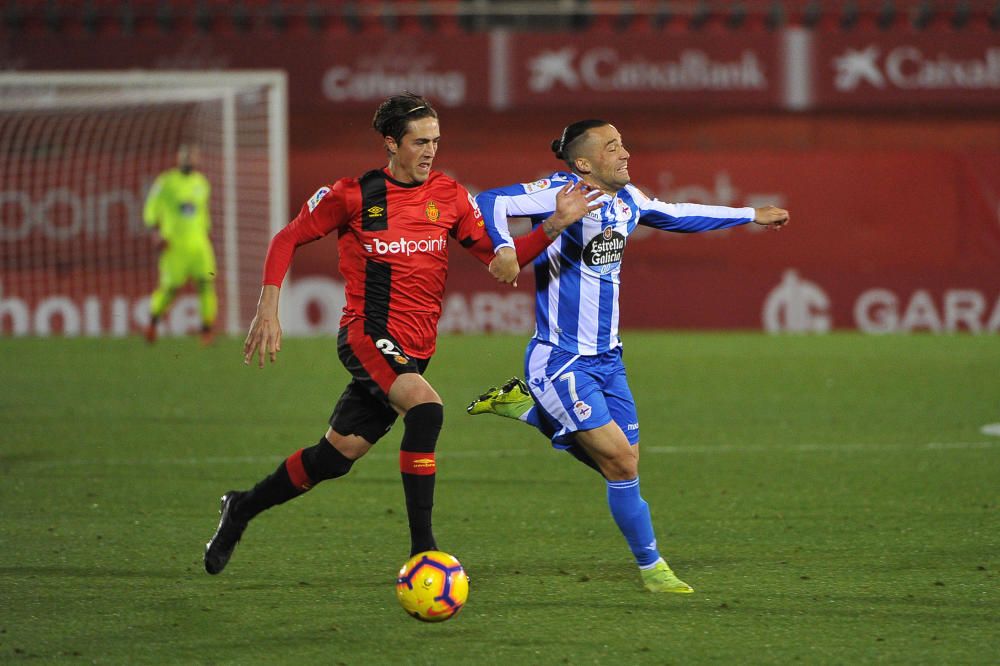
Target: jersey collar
(388, 177)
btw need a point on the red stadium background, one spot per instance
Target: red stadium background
(883, 141)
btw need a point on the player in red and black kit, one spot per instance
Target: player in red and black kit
(393, 229)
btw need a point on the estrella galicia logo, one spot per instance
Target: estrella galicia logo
(604, 251)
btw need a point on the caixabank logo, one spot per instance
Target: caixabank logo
(607, 69)
(909, 67)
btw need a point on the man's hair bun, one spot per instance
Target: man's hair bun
(557, 149)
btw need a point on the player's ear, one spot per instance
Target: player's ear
(391, 145)
(582, 165)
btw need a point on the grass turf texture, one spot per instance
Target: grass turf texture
(831, 499)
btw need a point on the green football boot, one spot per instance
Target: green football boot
(510, 400)
(662, 579)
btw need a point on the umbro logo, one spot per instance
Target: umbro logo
(375, 211)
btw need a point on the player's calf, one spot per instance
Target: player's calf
(418, 469)
(300, 472)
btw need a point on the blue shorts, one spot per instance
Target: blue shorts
(574, 392)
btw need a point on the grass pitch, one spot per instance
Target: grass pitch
(831, 499)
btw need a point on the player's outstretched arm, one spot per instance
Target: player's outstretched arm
(573, 202)
(264, 337)
(771, 216)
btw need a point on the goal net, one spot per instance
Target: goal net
(78, 153)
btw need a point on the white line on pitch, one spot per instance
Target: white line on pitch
(504, 453)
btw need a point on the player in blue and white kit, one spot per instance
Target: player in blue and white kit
(579, 394)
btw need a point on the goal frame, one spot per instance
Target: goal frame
(180, 86)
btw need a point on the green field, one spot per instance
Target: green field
(831, 499)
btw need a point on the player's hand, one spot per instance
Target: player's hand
(160, 242)
(573, 202)
(505, 267)
(263, 339)
(264, 336)
(770, 216)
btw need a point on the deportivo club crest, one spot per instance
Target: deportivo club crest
(432, 211)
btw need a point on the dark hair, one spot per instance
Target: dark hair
(393, 115)
(572, 132)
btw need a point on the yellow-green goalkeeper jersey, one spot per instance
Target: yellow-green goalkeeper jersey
(178, 205)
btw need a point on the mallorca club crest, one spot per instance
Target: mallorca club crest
(432, 211)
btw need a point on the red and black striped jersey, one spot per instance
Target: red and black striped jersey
(393, 244)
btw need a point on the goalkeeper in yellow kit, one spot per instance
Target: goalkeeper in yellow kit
(177, 206)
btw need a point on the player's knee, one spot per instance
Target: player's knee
(410, 390)
(352, 446)
(423, 424)
(426, 415)
(620, 466)
(162, 298)
(323, 461)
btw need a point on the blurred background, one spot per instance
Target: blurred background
(875, 122)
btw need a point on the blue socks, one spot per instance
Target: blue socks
(630, 511)
(631, 514)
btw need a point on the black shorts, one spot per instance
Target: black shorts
(374, 359)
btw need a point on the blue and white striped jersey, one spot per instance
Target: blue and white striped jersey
(577, 276)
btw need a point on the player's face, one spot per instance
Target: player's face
(187, 158)
(608, 158)
(414, 155)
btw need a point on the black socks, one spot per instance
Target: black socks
(418, 469)
(297, 474)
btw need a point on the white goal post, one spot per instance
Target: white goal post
(78, 153)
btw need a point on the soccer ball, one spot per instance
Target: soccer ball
(432, 586)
